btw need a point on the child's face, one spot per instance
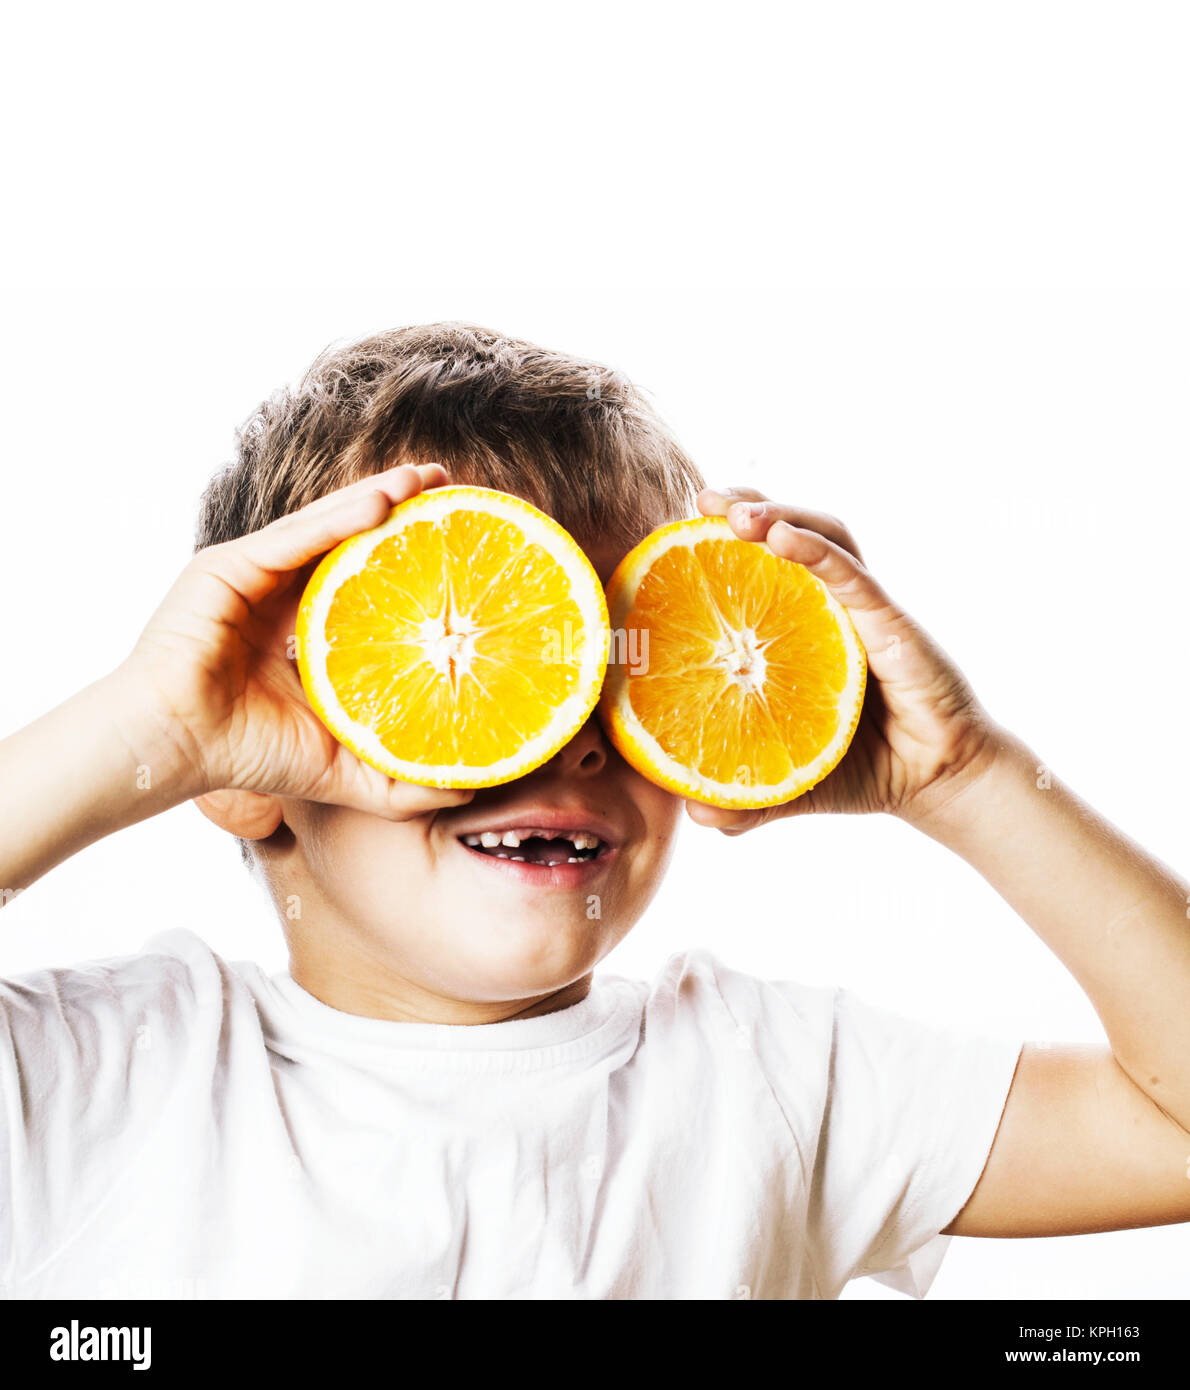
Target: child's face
(417, 916)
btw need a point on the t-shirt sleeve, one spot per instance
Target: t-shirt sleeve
(909, 1117)
(83, 1050)
(892, 1119)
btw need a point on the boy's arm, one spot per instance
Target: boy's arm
(207, 704)
(1091, 1138)
(96, 764)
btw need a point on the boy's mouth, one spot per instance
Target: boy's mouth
(539, 846)
(536, 845)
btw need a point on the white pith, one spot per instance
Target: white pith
(449, 642)
(742, 658)
(741, 654)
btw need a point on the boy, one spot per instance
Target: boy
(440, 1098)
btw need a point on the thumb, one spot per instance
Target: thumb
(737, 822)
(360, 787)
(728, 821)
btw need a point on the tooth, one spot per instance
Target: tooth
(585, 841)
(502, 856)
(574, 860)
(490, 839)
(517, 858)
(471, 839)
(512, 839)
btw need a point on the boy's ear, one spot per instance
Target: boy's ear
(247, 815)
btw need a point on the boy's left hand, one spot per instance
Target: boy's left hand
(922, 735)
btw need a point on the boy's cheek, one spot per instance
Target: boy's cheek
(410, 894)
(661, 812)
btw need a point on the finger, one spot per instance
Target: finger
(398, 484)
(355, 784)
(727, 821)
(752, 521)
(715, 501)
(898, 652)
(840, 570)
(405, 800)
(432, 475)
(389, 481)
(719, 817)
(256, 564)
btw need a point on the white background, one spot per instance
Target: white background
(923, 266)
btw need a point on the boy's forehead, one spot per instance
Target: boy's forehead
(605, 551)
(605, 555)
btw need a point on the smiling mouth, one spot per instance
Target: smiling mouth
(535, 846)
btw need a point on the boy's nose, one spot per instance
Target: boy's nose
(585, 754)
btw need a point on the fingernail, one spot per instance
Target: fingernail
(749, 511)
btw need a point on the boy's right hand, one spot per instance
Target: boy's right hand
(211, 676)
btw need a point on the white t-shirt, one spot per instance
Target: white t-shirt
(175, 1126)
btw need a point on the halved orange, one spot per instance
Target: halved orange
(460, 643)
(736, 678)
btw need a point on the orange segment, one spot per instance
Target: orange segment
(459, 644)
(754, 677)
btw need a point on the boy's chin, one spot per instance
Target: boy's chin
(526, 959)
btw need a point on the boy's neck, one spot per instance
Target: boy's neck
(402, 1001)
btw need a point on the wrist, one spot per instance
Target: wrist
(162, 753)
(96, 764)
(956, 805)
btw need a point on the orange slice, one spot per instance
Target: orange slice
(735, 677)
(460, 643)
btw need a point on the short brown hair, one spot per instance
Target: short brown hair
(574, 437)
